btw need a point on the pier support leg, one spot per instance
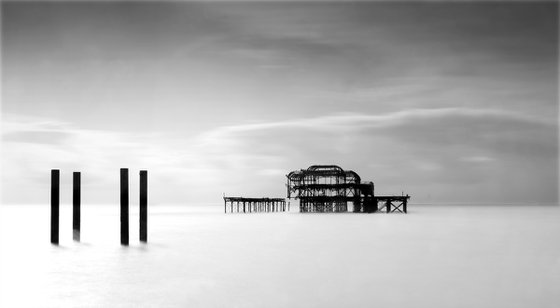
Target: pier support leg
(55, 203)
(76, 211)
(404, 205)
(124, 206)
(143, 206)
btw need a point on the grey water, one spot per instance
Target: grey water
(197, 256)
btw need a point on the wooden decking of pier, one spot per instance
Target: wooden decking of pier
(254, 205)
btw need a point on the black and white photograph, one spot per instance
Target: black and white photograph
(279, 153)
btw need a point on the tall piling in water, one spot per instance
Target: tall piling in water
(124, 206)
(143, 206)
(76, 212)
(55, 204)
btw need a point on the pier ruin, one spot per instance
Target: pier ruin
(330, 189)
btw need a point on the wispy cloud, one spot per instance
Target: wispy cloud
(408, 148)
(411, 147)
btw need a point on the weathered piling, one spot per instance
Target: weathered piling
(55, 204)
(76, 211)
(124, 206)
(143, 206)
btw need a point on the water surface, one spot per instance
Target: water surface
(436, 256)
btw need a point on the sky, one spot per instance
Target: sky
(447, 102)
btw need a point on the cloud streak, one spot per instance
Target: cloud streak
(402, 149)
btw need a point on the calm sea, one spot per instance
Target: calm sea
(435, 256)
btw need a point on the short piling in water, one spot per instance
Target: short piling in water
(124, 206)
(143, 206)
(55, 204)
(76, 212)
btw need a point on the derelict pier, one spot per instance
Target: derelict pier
(329, 189)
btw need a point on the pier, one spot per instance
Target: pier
(331, 189)
(254, 205)
(392, 204)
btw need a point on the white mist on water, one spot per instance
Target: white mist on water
(436, 256)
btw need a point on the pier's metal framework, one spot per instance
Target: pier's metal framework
(329, 188)
(250, 205)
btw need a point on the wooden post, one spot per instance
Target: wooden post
(124, 206)
(143, 206)
(76, 211)
(55, 203)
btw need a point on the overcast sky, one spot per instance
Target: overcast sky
(448, 102)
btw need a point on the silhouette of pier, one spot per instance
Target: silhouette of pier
(391, 204)
(254, 205)
(329, 189)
